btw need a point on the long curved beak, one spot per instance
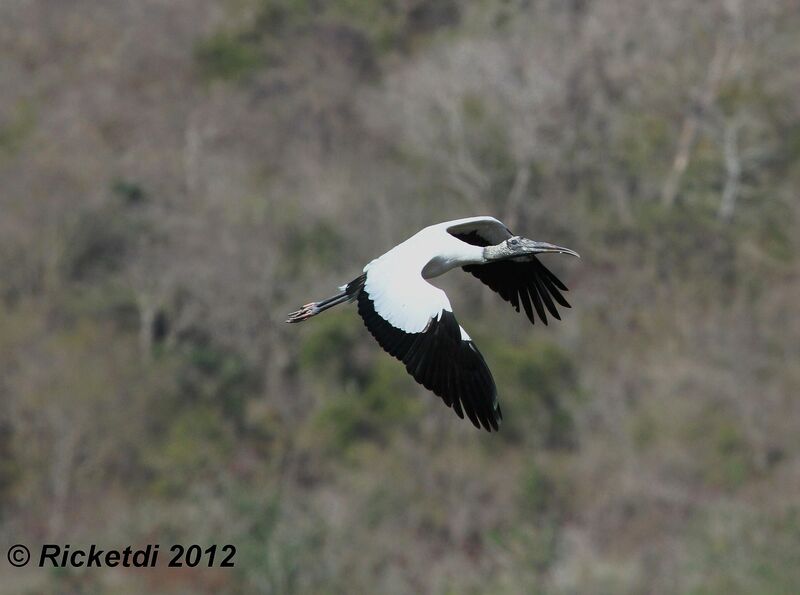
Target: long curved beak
(533, 247)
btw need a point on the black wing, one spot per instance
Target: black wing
(523, 280)
(440, 360)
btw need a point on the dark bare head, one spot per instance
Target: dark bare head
(517, 246)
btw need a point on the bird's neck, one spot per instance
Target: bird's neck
(450, 259)
(494, 253)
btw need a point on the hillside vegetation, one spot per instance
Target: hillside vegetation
(177, 176)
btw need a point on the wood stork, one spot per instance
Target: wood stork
(413, 320)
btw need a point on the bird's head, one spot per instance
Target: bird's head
(518, 246)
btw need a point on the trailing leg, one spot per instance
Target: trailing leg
(349, 293)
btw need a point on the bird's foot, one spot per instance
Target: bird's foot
(304, 313)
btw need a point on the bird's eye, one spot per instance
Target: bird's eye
(513, 242)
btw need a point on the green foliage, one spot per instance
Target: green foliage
(676, 245)
(539, 390)
(385, 23)
(228, 56)
(365, 27)
(792, 144)
(196, 423)
(489, 136)
(645, 430)
(644, 142)
(17, 129)
(746, 551)
(538, 492)
(773, 233)
(85, 419)
(385, 403)
(129, 191)
(333, 333)
(535, 545)
(109, 301)
(365, 397)
(217, 377)
(735, 457)
(265, 560)
(10, 470)
(99, 239)
(382, 21)
(726, 455)
(276, 15)
(96, 247)
(196, 446)
(317, 243)
(704, 176)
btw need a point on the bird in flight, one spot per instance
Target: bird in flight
(413, 320)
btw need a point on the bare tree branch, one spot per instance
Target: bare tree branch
(692, 120)
(733, 168)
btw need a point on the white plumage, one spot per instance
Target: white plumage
(413, 320)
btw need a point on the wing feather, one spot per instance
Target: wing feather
(439, 358)
(522, 280)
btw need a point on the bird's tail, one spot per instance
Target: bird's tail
(348, 294)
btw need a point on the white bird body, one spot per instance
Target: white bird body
(431, 252)
(413, 320)
(396, 280)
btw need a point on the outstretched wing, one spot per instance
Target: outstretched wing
(524, 280)
(413, 321)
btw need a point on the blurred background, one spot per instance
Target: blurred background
(177, 175)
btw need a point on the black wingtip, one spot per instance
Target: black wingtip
(441, 361)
